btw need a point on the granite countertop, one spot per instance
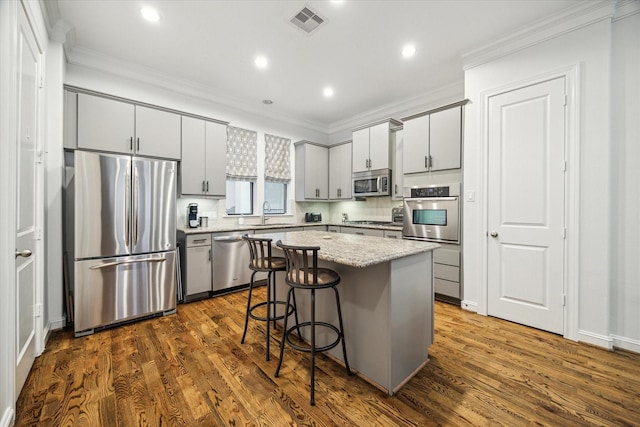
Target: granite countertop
(353, 250)
(227, 227)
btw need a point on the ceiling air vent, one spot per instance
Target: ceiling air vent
(307, 20)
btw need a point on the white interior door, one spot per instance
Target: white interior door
(26, 204)
(526, 165)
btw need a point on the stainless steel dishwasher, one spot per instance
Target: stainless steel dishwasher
(230, 262)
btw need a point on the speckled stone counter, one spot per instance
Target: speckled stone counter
(353, 250)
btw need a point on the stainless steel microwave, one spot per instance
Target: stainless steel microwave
(372, 183)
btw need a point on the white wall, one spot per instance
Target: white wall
(53, 308)
(587, 48)
(625, 191)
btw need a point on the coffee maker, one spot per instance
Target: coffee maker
(192, 215)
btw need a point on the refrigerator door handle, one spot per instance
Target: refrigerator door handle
(131, 261)
(134, 202)
(127, 209)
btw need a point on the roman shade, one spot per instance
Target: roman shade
(242, 154)
(277, 166)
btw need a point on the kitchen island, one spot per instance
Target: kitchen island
(386, 295)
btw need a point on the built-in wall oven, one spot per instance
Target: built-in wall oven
(432, 213)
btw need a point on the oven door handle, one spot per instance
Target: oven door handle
(433, 199)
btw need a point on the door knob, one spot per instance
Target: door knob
(25, 253)
(494, 234)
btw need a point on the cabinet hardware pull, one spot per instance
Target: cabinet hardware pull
(207, 186)
(138, 144)
(131, 143)
(203, 186)
(199, 240)
(209, 254)
(426, 162)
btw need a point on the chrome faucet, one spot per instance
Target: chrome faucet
(265, 206)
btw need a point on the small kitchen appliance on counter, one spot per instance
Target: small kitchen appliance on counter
(192, 215)
(312, 217)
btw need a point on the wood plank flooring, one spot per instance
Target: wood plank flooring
(190, 369)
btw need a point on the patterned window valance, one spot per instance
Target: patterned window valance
(242, 153)
(277, 167)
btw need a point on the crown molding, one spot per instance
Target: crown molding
(626, 8)
(420, 102)
(573, 18)
(87, 58)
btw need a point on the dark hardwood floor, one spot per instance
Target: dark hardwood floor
(190, 369)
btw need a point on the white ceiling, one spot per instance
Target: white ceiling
(212, 45)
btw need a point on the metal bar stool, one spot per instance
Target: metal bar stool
(303, 273)
(262, 261)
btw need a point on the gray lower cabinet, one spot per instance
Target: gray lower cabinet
(446, 273)
(196, 266)
(362, 231)
(393, 234)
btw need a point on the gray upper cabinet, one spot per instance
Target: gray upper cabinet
(203, 165)
(371, 146)
(157, 133)
(312, 171)
(340, 181)
(432, 141)
(107, 124)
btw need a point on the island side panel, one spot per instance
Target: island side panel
(365, 302)
(411, 314)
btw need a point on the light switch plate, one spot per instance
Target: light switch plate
(470, 196)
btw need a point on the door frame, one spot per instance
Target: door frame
(571, 74)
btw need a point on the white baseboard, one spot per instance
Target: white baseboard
(469, 305)
(626, 343)
(58, 323)
(7, 417)
(595, 339)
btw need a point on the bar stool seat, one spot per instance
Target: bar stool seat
(303, 273)
(261, 261)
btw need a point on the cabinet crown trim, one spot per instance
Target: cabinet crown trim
(392, 122)
(435, 110)
(76, 89)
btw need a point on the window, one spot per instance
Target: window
(239, 197)
(242, 170)
(275, 193)
(277, 172)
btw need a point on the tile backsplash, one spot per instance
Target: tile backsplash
(373, 209)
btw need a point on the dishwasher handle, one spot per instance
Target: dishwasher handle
(228, 239)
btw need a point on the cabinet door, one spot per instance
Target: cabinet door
(445, 139)
(397, 179)
(340, 172)
(105, 124)
(198, 277)
(379, 146)
(416, 145)
(157, 133)
(321, 160)
(192, 165)
(360, 143)
(216, 167)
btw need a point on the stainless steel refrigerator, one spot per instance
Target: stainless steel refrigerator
(124, 238)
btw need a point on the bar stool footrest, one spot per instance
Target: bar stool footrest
(318, 349)
(289, 311)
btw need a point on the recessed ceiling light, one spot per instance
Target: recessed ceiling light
(328, 92)
(267, 101)
(150, 14)
(261, 62)
(408, 51)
